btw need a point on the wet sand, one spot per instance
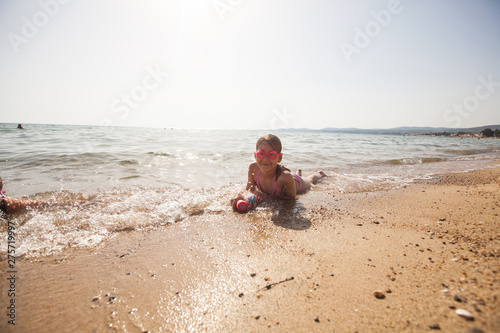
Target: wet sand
(316, 265)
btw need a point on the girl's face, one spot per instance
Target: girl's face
(266, 164)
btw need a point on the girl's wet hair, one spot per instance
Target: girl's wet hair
(272, 140)
(275, 143)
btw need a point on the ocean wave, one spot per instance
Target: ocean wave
(49, 230)
(160, 154)
(59, 160)
(128, 162)
(412, 161)
(466, 152)
(469, 155)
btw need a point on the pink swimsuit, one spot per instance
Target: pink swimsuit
(276, 192)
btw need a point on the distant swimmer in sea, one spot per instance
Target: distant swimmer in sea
(267, 178)
(17, 205)
(19, 126)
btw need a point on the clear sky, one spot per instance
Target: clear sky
(251, 64)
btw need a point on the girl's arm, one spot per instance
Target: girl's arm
(288, 186)
(14, 206)
(251, 187)
(17, 205)
(252, 183)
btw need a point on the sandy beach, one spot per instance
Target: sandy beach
(383, 261)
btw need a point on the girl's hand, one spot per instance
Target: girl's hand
(262, 195)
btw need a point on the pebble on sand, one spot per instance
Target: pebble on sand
(435, 327)
(465, 314)
(379, 294)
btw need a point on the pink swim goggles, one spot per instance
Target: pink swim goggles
(272, 154)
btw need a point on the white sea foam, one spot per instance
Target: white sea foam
(45, 231)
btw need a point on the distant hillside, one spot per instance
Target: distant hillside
(399, 130)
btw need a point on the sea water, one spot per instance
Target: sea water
(145, 178)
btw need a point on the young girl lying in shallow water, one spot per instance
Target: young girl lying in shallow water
(17, 205)
(268, 178)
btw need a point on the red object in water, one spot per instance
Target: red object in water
(242, 205)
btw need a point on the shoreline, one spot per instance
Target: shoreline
(457, 136)
(429, 248)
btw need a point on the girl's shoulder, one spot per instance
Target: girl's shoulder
(253, 166)
(253, 169)
(285, 176)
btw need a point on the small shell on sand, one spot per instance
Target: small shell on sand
(465, 314)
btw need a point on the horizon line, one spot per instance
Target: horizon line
(264, 129)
